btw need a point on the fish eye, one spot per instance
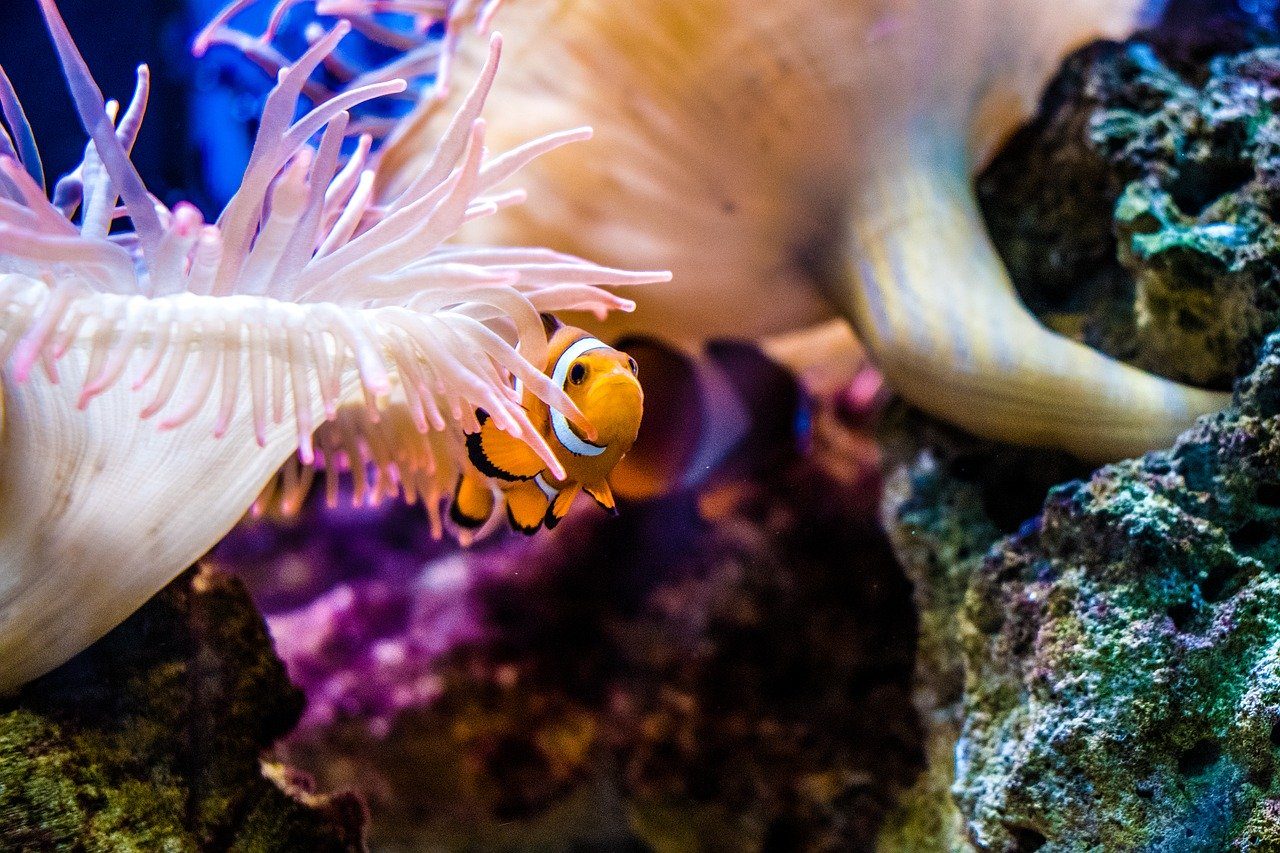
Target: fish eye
(635, 368)
(577, 373)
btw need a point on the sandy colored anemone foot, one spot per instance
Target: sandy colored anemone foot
(155, 378)
(798, 161)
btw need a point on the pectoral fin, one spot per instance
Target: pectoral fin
(603, 495)
(560, 506)
(497, 454)
(527, 507)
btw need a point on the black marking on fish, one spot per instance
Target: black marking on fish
(475, 452)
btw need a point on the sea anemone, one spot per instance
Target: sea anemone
(417, 52)
(790, 162)
(244, 335)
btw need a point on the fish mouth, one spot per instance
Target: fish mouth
(614, 405)
(616, 389)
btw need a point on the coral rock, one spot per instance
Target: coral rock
(151, 739)
(1158, 241)
(949, 501)
(1120, 690)
(1123, 685)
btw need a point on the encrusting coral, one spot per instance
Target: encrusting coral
(152, 739)
(790, 163)
(246, 334)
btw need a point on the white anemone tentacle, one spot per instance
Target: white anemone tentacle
(99, 515)
(794, 162)
(155, 379)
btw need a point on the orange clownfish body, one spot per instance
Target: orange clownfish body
(602, 383)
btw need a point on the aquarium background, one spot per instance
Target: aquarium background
(115, 38)
(202, 116)
(196, 140)
(545, 671)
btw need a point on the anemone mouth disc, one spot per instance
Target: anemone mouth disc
(671, 427)
(726, 410)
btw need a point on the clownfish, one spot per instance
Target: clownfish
(603, 383)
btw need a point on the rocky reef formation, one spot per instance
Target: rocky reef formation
(949, 500)
(1105, 658)
(1157, 242)
(1123, 682)
(152, 739)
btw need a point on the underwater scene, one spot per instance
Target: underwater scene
(639, 425)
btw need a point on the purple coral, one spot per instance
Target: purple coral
(363, 604)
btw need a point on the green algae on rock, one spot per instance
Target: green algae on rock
(947, 504)
(1161, 246)
(151, 740)
(1123, 654)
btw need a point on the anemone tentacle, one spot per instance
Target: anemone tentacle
(795, 162)
(415, 53)
(383, 458)
(239, 339)
(259, 273)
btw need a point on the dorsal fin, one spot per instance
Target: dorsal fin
(550, 324)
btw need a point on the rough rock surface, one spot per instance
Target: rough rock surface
(1123, 671)
(1158, 242)
(950, 499)
(1119, 645)
(151, 740)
